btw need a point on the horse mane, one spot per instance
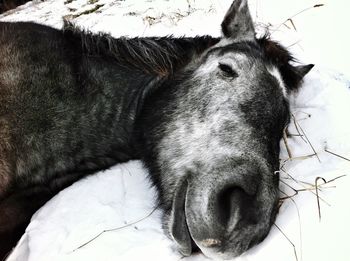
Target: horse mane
(152, 55)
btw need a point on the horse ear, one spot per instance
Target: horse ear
(293, 75)
(302, 70)
(238, 24)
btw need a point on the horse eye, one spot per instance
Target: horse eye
(228, 71)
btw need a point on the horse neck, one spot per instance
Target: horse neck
(119, 73)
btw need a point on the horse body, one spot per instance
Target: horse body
(205, 115)
(67, 110)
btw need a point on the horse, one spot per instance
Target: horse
(204, 114)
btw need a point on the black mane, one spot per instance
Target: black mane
(152, 55)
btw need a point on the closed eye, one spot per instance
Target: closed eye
(227, 70)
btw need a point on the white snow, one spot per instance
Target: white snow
(123, 195)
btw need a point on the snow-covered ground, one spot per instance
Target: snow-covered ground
(122, 199)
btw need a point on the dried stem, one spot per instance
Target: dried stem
(317, 197)
(291, 21)
(295, 251)
(298, 13)
(114, 229)
(288, 196)
(300, 230)
(286, 143)
(308, 141)
(342, 157)
(296, 181)
(331, 180)
(309, 189)
(300, 157)
(297, 128)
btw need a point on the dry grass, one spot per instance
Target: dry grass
(315, 188)
(337, 155)
(115, 229)
(290, 19)
(290, 241)
(298, 127)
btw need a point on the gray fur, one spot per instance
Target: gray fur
(215, 159)
(210, 145)
(238, 24)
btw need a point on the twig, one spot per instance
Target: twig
(286, 143)
(297, 128)
(294, 135)
(291, 21)
(300, 157)
(295, 251)
(300, 12)
(317, 188)
(295, 43)
(309, 189)
(114, 229)
(327, 182)
(288, 196)
(318, 201)
(296, 181)
(300, 233)
(285, 161)
(312, 147)
(331, 180)
(342, 157)
(313, 188)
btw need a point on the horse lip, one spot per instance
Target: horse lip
(206, 243)
(179, 229)
(209, 242)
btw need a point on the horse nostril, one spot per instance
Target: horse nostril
(235, 205)
(229, 210)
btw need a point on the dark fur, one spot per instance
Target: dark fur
(70, 103)
(71, 111)
(6, 5)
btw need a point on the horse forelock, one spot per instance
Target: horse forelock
(274, 51)
(281, 58)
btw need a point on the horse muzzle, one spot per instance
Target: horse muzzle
(226, 211)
